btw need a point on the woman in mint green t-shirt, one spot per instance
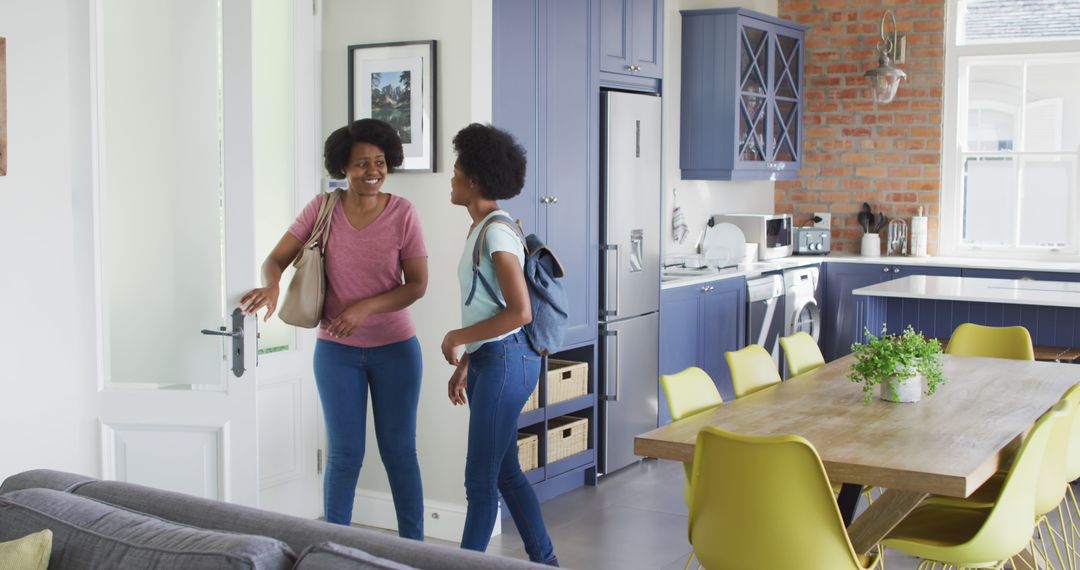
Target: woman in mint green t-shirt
(498, 369)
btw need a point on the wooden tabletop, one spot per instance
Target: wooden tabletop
(946, 444)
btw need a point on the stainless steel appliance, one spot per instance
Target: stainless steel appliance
(812, 241)
(765, 314)
(772, 232)
(629, 273)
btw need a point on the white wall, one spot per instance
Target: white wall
(699, 199)
(442, 429)
(47, 342)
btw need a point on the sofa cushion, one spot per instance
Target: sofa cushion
(91, 534)
(297, 532)
(30, 552)
(44, 479)
(330, 556)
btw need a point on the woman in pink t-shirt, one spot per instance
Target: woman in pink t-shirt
(376, 266)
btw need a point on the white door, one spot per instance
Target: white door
(175, 226)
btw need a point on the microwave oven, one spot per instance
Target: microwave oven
(772, 232)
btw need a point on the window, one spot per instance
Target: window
(1012, 128)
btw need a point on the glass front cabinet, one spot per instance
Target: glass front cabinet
(742, 96)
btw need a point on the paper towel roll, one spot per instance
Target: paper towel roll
(918, 236)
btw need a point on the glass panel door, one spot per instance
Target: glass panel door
(787, 92)
(162, 192)
(173, 186)
(753, 93)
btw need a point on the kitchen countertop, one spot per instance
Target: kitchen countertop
(751, 270)
(962, 262)
(978, 290)
(748, 270)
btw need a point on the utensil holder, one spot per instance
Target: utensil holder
(871, 245)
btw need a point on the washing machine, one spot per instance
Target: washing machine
(802, 312)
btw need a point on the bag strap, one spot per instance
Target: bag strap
(477, 249)
(320, 231)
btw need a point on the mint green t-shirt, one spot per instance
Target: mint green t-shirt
(499, 237)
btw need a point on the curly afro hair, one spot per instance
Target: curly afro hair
(340, 143)
(493, 159)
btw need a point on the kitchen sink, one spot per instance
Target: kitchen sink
(677, 273)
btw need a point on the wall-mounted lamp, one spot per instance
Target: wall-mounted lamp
(885, 78)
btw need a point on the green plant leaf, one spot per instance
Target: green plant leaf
(903, 356)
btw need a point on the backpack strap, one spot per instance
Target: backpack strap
(477, 253)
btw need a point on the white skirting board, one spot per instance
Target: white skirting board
(444, 521)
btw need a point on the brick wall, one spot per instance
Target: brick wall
(854, 150)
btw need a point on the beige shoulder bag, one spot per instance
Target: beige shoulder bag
(303, 305)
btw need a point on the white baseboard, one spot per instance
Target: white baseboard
(444, 521)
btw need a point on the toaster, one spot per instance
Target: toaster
(812, 241)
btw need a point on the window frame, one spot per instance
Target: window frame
(951, 206)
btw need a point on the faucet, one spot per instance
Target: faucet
(897, 238)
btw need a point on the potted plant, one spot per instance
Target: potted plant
(898, 364)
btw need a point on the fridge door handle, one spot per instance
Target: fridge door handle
(612, 370)
(611, 308)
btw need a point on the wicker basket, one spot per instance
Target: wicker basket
(566, 379)
(534, 400)
(528, 452)
(567, 435)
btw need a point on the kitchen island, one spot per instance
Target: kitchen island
(935, 305)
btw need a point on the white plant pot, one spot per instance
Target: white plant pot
(902, 391)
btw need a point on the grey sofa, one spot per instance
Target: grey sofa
(109, 524)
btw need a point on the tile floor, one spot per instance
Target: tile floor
(635, 519)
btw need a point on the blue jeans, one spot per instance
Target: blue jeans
(344, 375)
(502, 375)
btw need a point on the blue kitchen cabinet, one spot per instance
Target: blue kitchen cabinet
(839, 317)
(631, 42)
(698, 324)
(544, 84)
(1015, 274)
(742, 96)
(544, 92)
(843, 312)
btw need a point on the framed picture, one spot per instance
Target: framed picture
(395, 82)
(3, 107)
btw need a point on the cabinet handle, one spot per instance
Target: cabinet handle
(886, 270)
(545, 200)
(553, 199)
(896, 270)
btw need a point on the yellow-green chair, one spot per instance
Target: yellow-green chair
(1052, 482)
(972, 537)
(970, 339)
(801, 353)
(752, 369)
(1072, 470)
(688, 392)
(765, 502)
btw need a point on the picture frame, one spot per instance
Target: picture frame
(395, 82)
(3, 107)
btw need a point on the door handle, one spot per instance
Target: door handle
(612, 285)
(237, 335)
(612, 371)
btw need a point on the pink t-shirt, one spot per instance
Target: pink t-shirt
(365, 263)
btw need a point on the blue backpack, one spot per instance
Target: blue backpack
(542, 274)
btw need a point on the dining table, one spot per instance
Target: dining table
(947, 443)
